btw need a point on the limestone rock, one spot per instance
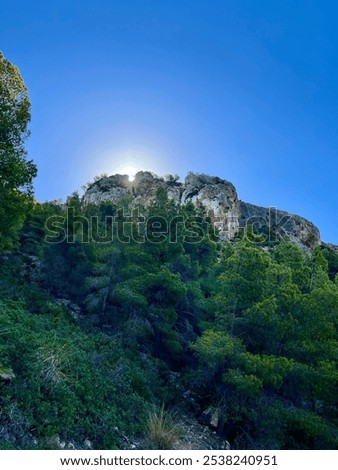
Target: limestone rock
(280, 225)
(218, 197)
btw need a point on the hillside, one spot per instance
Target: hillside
(97, 336)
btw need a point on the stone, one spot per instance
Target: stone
(280, 225)
(210, 417)
(88, 444)
(218, 197)
(72, 308)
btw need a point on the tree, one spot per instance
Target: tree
(101, 284)
(269, 357)
(16, 172)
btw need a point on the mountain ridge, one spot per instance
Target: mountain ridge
(216, 195)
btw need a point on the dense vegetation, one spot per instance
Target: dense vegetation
(95, 336)
(16, 172)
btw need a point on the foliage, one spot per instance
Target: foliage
(67, 383)
(281, 309)
(16, 172)
(94, 330)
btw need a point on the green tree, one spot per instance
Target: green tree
(16, 172)
(271, 349)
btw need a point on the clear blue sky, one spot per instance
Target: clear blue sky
(242, 89)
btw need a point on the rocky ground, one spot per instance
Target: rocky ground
(192, 436)
(196, 436)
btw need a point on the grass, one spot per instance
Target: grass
(163, 431)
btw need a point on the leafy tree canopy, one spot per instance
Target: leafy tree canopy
(16, 172)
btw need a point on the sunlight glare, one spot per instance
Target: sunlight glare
(130, 171)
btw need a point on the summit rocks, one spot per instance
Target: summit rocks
(217, 196)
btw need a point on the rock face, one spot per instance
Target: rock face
(217, 196)
(280, 225)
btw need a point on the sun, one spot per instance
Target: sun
(130, 171)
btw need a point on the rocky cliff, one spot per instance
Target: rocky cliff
(217, 196)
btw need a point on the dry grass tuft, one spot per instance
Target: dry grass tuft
(164, 432)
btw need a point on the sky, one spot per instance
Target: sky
(240, 89)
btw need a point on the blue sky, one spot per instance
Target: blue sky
(245, 90)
